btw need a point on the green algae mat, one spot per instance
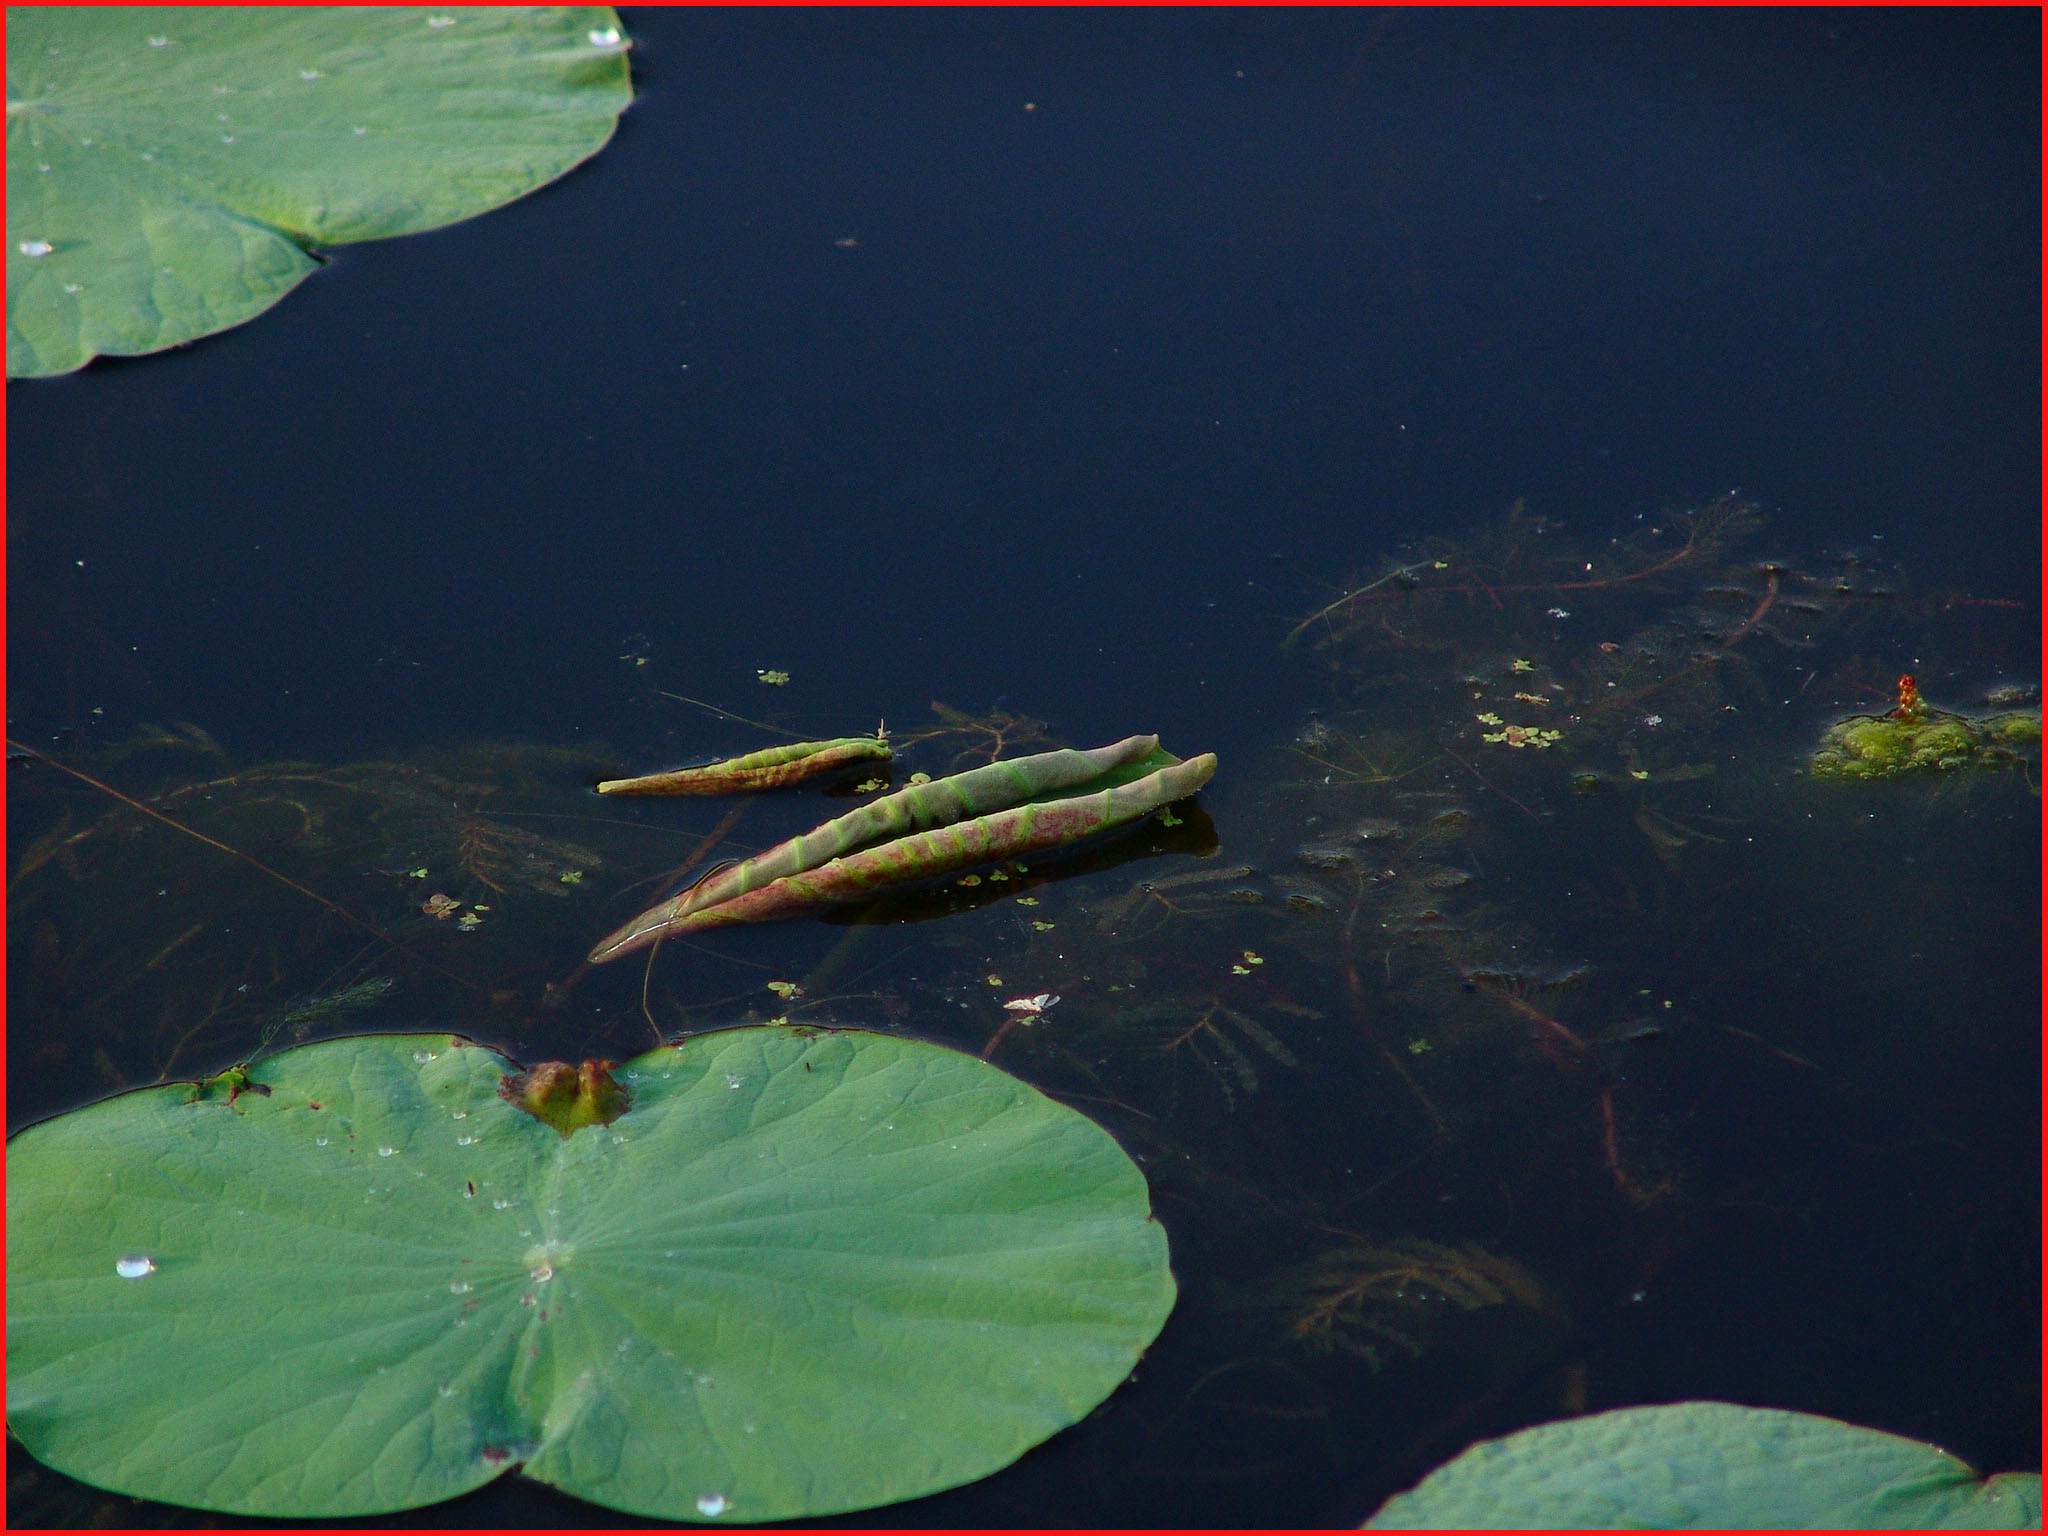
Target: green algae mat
(1924, 741)
(796, 1273)
(171, 169)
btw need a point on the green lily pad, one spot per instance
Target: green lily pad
(1707, 1466)
(170, 168)
(803, 1273)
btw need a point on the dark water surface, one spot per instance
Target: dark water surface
(1052, 366)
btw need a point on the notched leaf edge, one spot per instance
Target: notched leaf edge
(565, 1097)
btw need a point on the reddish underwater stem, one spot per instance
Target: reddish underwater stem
(1357, 991)
(178, 826)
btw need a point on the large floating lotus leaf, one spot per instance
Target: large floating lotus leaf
(1709, 1466)
(169, 167)
(800, 1274)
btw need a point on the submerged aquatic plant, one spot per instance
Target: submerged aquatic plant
(447, 825)
(1363, 1298)
(991, 734)
(1153, 902)
(1156, 1037)
(1517, 559)
(1519, 638)
(159, 920)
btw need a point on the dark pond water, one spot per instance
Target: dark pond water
(1676, 372)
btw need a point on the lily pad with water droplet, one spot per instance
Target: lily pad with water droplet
(798, 1275)
(1710, 1466)
(171, 169)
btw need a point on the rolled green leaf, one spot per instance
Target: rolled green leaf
(757, 770)
(977, 792)
(1007, 834)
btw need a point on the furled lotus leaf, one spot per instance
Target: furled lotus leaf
(740, 896)
(803, 1273)
(769, 769)
(976, 792)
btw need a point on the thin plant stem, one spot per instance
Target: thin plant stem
(1357, 990)
(759, 725)
(257, 864)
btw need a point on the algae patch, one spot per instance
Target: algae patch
(1916, 739)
